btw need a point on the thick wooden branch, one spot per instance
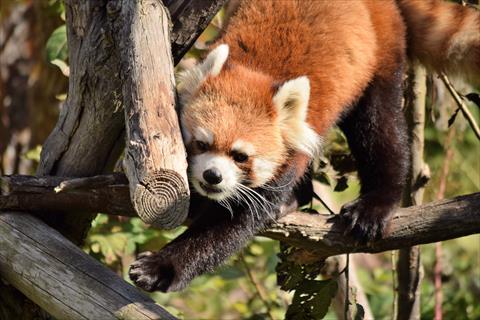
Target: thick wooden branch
(62, 279)
(190, 19)
(155, 159)
(435, 221)
(57, 195)
(432, 222)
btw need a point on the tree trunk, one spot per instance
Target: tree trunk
(409, 268)
(89, 135)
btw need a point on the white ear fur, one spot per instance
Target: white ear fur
(213, 63)
(291, 101)
(189, 80)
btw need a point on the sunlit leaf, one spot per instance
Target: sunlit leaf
(64, 68)
(312, 299)
(57, 45)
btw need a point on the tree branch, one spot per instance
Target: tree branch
(435, 221)
(432, 222)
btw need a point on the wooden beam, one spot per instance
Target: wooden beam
(62, 279)
(318, 232)
(57, 195)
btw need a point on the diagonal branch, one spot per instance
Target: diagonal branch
(461, 105)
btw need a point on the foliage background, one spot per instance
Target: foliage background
(246, 286)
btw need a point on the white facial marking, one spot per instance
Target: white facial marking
(244, 147)
(203, 135)
(229, 171)
(263, 170)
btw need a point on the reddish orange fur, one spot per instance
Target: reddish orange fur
(365, 39)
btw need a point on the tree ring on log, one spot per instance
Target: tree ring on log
(162, 199)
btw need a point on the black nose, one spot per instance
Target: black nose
(212, 176)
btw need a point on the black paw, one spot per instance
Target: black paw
(152, 272)
(367, 218)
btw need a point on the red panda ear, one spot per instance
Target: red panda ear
(291, 101)
(213, 63)
(189, 80)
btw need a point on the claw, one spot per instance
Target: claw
(152, 271)
(366, 218)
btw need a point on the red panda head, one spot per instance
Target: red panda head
(239, 125)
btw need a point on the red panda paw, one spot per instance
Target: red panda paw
(152, 272)
(367, 218)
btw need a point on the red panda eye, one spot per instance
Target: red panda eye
(202, 146)
(239, 157)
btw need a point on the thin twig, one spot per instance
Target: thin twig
(394, 285)
(437, 269)
(316, 196)
(461, 104)
(347, 289)
(257, 285)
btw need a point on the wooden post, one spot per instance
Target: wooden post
(155, 158)
(62, 279)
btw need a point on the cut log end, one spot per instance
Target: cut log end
(162, 199)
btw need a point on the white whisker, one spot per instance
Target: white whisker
(259, 199)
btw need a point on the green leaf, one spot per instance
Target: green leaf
(474, 97)
(322, 177)
(342, 184)
(360, 315)
(312, 299)
(451, 120)
(33, 154)
(57, 45)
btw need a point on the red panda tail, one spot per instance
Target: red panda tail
(444, 36)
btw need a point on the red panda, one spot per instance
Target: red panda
(254, 112)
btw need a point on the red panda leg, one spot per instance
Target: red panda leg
(213, 236)
(376, 133)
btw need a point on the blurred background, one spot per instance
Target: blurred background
(33, 83)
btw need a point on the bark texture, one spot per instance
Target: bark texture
(323, 234)
(318, 232)
(409, 267)
(62, 279)
(155, 159)
(89, 135)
